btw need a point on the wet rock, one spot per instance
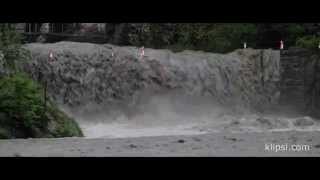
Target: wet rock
(305, 121)
(265, 122)
(271, 123)
(133, 146)
(231, 139)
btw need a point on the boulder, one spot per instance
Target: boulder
(304, 121)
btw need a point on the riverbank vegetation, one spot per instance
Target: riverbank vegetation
(213, 37)
(23, 111)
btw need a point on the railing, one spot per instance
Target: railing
(65, 34)
(55, 37)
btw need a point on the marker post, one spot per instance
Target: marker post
(141, 52)
(281, 45)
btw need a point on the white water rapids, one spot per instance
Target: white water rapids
(163, 116)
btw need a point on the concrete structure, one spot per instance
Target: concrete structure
(60, 27)
(300, 78)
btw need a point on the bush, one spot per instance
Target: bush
(309, 42)
(4, 134)
(227, 37)
(8, 35)
(10, 46)
(153, 35)
(221, 37)
(60, 124)
(293, 32)
(215, 37)
(22, 109)
(21, 101)
(23, 114)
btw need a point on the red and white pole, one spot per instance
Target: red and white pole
(281, 45)
(142, 51)
(51, 55)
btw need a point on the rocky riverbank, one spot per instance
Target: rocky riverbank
(252, 144)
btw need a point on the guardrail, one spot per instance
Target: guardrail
(54, 37)
(65, 34)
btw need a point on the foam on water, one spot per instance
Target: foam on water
(166, 115)
(177, 124)
(118, 130)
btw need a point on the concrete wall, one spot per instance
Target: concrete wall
(300, 78)
(83, 27)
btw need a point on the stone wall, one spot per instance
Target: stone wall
(300, 78)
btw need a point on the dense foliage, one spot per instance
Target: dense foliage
(21, 103)
(200, 36)
(212, 37)
(8, 36)
(23, 112)
(310, 42)
(10, 46)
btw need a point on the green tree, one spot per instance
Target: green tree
(309, 42)
(220, 37)
(10, 45)
(293, 32)
(228, 37)
(8, 35)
